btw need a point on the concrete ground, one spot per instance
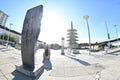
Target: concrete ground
(97, 66)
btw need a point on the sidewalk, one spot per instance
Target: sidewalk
(64, 67)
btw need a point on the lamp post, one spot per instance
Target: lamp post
(9, 35)
(108, 35)
(116, 34)
(62, 46)
(86, 18)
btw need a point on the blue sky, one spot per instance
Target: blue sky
(58, 14)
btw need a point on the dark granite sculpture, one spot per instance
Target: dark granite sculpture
(30, 33)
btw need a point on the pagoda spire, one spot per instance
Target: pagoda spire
(71, 25)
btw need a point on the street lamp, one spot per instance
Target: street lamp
(62, 46)
(108, 35)
(9, 35)
(116, 34)
(86, 18)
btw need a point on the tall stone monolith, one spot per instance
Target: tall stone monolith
(30, 33)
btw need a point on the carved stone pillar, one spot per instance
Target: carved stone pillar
(30, 33)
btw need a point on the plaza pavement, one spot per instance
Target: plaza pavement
(64, 67)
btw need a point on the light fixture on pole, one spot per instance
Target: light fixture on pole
(8, 35)
(116, 34)
(86, 18)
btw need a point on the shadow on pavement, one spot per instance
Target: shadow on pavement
(97, 55)
(71, 55)
(4, 49)
(47, 65)
(78, 60)
(19, 76)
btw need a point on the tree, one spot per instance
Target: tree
(11, 37)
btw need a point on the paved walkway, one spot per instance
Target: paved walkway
(62, 67)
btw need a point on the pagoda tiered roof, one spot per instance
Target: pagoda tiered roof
(72, 36)
(71, 33)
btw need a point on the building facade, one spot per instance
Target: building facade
(17, 36)
(3, 18)
(5, 30)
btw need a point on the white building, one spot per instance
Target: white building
(3, 18)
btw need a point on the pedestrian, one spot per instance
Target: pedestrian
(106, 49)
(46, 55)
